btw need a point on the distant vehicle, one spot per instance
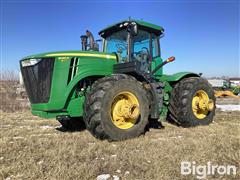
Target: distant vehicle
(216, 83)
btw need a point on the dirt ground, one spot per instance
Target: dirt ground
(32, 148)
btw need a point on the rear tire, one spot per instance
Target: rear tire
(98, 107)
(180, 105)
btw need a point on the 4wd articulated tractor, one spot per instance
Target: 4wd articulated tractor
(118, 91)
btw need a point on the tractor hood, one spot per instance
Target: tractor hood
(94, 54)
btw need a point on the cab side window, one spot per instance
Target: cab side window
(155, 46)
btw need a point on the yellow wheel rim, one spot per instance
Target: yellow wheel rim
(125, 110)
(201, 104)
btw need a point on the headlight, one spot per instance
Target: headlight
(30, 62)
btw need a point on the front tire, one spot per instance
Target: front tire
(116, 108)
(192, 102)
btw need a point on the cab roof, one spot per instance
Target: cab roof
(158, 30)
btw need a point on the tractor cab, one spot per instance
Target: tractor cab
(133, 40)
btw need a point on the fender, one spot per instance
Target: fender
(83, 75)
(177, 76)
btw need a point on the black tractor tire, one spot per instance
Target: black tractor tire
(180, 104)
(98, 103)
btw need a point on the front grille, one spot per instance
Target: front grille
(38, 79)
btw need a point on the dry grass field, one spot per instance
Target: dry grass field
(11, 97)
(32, 148)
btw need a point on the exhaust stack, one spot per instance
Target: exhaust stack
(84, 42)
(92, 44)
(91, 39)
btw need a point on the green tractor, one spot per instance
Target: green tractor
(117, 92)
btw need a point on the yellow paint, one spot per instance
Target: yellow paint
(84, 54)
(201, 104)
(125, 110)
(226, 93)
(63, 58)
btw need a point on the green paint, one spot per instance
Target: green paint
(60, 54)
(61, 90)
(64, 97)
(46, 114)
(156, 61)
(177, 76)
(74, 108)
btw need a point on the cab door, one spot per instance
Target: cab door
(155, 54)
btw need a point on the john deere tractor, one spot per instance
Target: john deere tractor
(118, 91)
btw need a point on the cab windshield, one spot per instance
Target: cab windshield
(117, 43)
(144, 46)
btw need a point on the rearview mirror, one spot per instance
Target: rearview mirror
(133, 28)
